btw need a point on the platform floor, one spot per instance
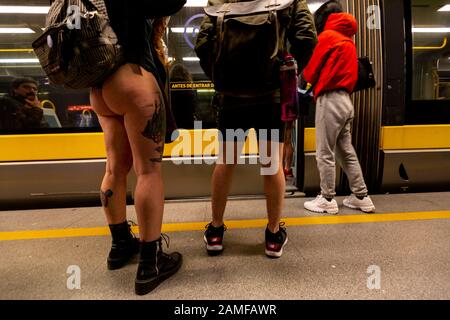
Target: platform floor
(327, 257)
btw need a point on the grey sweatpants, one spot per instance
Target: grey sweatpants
(334, 117)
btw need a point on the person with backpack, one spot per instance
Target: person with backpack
(333, 72)
(131, 109)
(241, 45)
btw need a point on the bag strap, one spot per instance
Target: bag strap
(277, 27)
(288, 26)
(219, 25)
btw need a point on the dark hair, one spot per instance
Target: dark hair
(322, 14)
(19, 81)
(180, 73)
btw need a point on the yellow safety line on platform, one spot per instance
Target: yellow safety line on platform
(232, 224)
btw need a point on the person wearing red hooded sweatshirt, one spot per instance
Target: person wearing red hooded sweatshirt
(333, 71)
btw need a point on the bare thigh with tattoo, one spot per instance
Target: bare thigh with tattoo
(134, 93)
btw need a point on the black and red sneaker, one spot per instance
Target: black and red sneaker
(213, 238)
(276, 241)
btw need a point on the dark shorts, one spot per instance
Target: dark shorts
(262, 113)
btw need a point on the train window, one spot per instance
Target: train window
(24, 86)
(191, 91)
(431, 49)
(21, 21)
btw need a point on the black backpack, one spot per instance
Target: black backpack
(247, 42)
(78, 57)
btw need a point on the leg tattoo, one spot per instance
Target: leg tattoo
(155, 128)
(104, 197)
(160, 150)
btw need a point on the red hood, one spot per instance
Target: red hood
(343, 23)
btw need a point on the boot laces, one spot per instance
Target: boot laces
(131, 223)
(166, 239)
(279, 234)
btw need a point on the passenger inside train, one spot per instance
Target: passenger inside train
(20, 108)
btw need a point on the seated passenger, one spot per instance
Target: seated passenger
(20, 108)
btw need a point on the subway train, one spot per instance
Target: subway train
(401, 129)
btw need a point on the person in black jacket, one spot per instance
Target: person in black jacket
(131, 110)
(261, 111)
(20, 108)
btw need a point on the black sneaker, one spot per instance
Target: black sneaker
(213, 238)
(155, 266)
(276, 241)
(124, 246)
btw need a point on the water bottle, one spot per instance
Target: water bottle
(289, 95)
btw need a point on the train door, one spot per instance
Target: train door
(416, 111)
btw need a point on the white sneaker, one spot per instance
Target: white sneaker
(365, 205)
(322, 205)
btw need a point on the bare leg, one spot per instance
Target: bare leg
(274, 188)
(118, 164)
(288, 151)
(221, 183)
(134, 93)
(221, 180)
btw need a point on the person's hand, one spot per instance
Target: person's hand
(32, 102)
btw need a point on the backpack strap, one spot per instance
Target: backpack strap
(219, 25)
(288, 26)
(277, 27)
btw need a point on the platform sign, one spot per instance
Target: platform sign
(191, 85)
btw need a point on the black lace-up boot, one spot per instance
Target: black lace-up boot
(124, 245)
(155, 266)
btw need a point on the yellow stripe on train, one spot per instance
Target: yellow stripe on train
(72, 146)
